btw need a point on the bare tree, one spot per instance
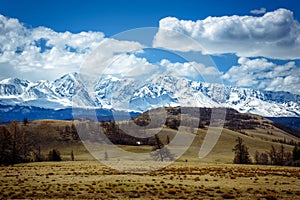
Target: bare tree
(264, 158)
(261, 158)
(161, 152)
(257, 157)
(273, 155)
(280, 157)
(5, 146)
(105, 156)
(14, 150)
(14, 144)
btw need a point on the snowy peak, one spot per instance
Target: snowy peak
(45, 94)
(14, 81)
(264, 103)
(13, 86)
(165, 90)
(65, 86)
(129, 94)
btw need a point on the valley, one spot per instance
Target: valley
(81, 175)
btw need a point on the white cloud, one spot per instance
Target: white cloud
(258, 11)
(30, 51)
(274, 35)
(41, 53)
(263, 74)
(112, 57)
(190, 70)
(130, 66)
(140, 69)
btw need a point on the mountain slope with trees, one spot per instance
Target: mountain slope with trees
(33, 140)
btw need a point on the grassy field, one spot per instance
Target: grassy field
(47, 136)
(181, 180)
(189, 177)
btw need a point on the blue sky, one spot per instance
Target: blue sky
(112, 17)
(271, 63)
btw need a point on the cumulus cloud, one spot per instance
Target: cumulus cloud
(263, 74)
(190, 70)
(258, 11)
(42, 53)
(113, 57)
(274, 35)
(128, 65)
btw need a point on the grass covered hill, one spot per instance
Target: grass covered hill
(258, 133)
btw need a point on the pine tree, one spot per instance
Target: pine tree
(296, 153)
(72, 156)
(168, 139)
(241, 152)
(38, 155)
(54, 155)
(25, 121)
(75, 135)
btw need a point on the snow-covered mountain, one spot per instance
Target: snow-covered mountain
(45, 94)
(170, 91)
(128, 94)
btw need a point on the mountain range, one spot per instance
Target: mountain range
(125, 94)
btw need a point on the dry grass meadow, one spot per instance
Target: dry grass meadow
(181, 180)
(213, 177)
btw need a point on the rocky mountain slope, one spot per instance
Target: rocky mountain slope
(127, 94)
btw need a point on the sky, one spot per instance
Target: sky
(251, 43)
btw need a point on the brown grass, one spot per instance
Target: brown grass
(211, 177)
(193, 180)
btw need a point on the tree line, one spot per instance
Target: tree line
(272, 157)
(18, 146)
(14, 145)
